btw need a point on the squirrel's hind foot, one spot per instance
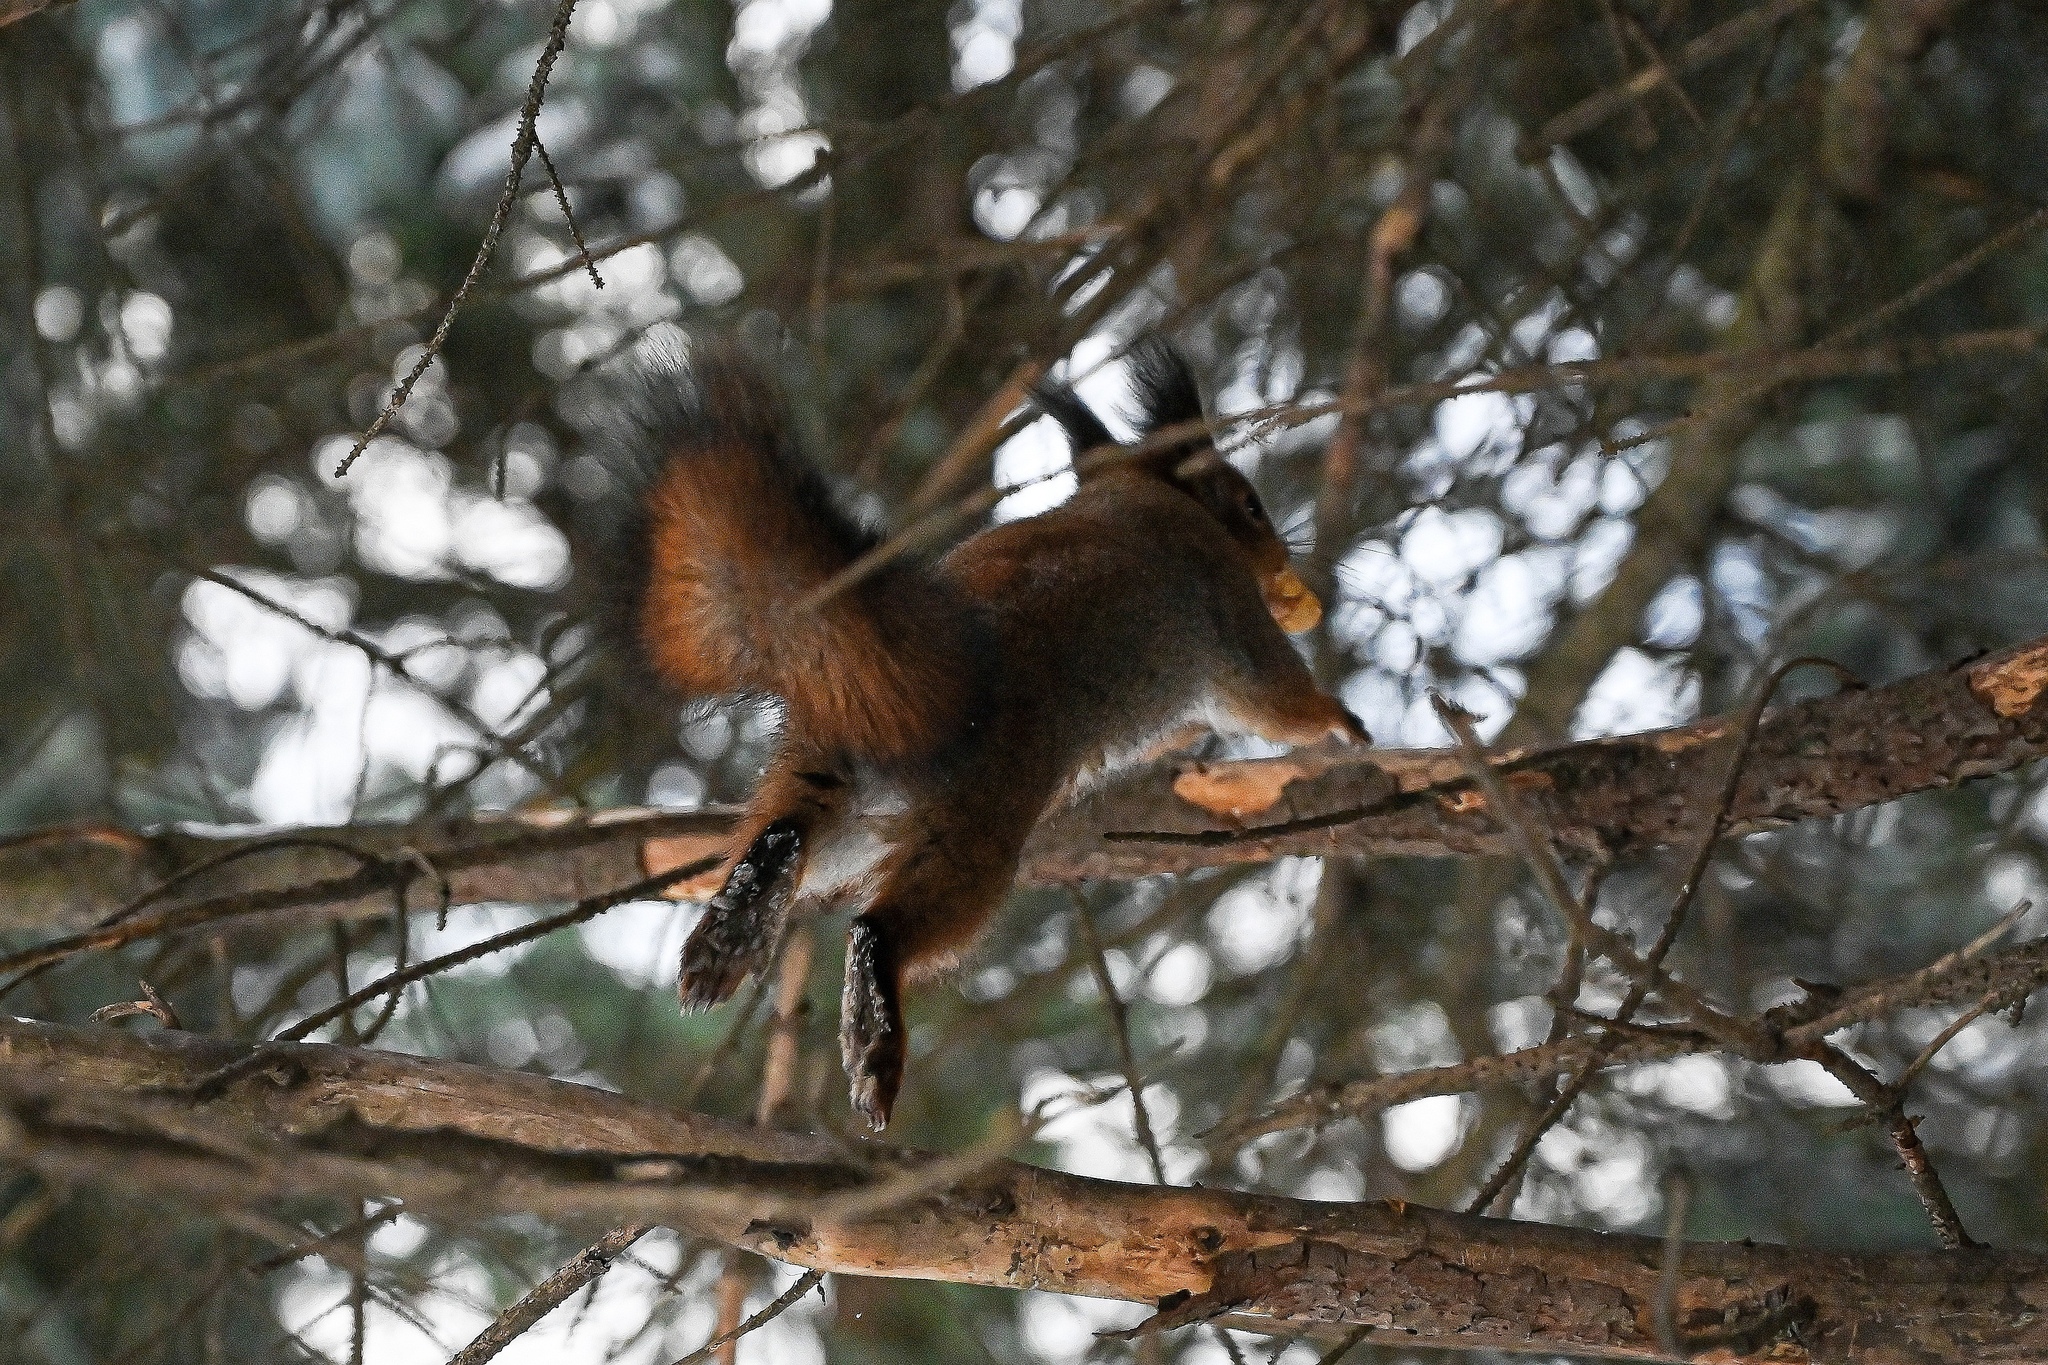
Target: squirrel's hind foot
(737, 934)
(871, 1037)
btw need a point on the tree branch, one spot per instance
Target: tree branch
(544, 1298)
(1818, 758)
(460, 1143)
(1783, 1032)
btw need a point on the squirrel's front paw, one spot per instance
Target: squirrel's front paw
(1324, 717)
(871, 1025)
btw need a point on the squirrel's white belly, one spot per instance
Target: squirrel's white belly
(848, 853)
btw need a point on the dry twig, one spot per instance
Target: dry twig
(585, 1267)
(522, 148)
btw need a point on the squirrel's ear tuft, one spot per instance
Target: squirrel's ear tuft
(1166, 395)
(1084, 429)
(1163, 385)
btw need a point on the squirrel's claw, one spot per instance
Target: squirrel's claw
(712, 969)
(871, 1025)
(1351, 729)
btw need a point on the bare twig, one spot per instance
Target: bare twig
(400, 668)
(1718, 41)
(1120, 1025)
(472, 867)
(568, 214)
(1344, 1348)
(1998, 242)
(397, 980)
(522, 149)
(579, 1270)
(586, 909)
(778, 1076)
(782, 1302)
(1887, 1104)
(1677, 1200)
(401, 954)
(1644, 980)
(151, 1004)
(29, 968)
(1796, 1029)
(778, 1069)
(1540, 854)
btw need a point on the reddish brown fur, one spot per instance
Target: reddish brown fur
(733, 554)
(945, 709)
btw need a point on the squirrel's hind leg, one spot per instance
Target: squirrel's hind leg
(930, 905)
(871, 1028)
(737, 935)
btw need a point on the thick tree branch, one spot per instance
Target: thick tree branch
(1615, 796)
(460, 1143)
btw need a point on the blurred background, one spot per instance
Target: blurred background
(1751, 294)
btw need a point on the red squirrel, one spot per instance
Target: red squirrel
(935, 711)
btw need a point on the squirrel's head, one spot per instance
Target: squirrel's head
(1229, 497)
(1168, 399)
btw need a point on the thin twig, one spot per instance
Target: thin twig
(778, 1077)
(1229, 1344)
(33, 969)
(1984, 940)
(401, 954)
(1887, 1104)
(1344, 1347)
(522, 149)
(589, 908)
(1724, 38)
(1120, 1025)
(151, 1004)
(579, 1270)
(547, 164)
(397, 980)
(2009, 236)
(1645, 974)
(1677, 1200)
(399, 667)
(1540, 855)
(805, 1283)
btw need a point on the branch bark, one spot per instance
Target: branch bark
(1615, 796)
(461, 1143)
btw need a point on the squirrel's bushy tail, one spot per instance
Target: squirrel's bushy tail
(731, 533)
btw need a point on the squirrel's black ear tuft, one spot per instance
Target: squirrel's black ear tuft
(1163, 385)
(1084, 429)
(1166, 396)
